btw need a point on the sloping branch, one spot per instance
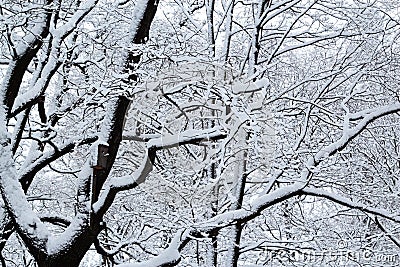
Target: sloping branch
(118, 184)
(34, 95)
(350, 204)
(261, 203)
(28, 173)
(25, 52)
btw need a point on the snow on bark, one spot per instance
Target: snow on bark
(32, 36)
(123, 183)
(168, 256)
(350, 133)
(140, 174)
(29, 224)
(67, 28)
(140, 9)
(168, 141)
(351, 204)
(61, 243)
(30, 227)
(59, 34)
(283, 193)
(37, 89)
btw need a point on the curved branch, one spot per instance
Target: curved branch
(139, 176)
(25, 52)
(350, 204)
(29, 172)
(261, 203)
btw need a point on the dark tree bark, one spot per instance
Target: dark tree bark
(75, 249)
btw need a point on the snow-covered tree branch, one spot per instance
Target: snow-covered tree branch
(199, 133)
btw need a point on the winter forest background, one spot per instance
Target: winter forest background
(200, 133)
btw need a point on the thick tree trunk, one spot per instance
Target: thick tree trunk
(71, 251)
(70, 257)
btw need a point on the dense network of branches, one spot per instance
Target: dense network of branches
(199, 133)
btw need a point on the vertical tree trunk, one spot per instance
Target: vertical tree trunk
(255, 40)
(228, 31)
(213, 252)
(210, 22)
(235, 231)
